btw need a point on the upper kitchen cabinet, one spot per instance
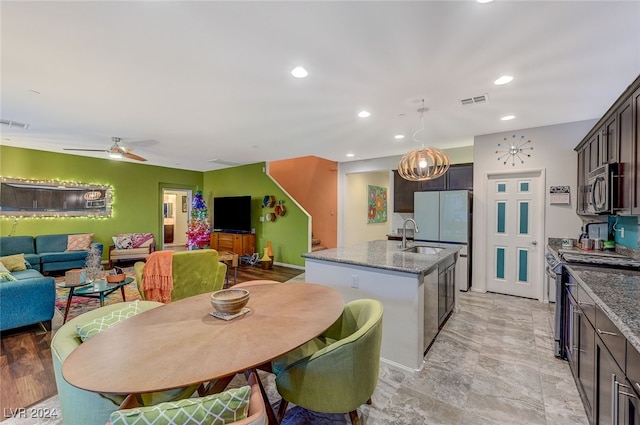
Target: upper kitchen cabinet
(614, 140)
(458, 177)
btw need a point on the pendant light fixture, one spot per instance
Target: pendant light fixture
(424, 163)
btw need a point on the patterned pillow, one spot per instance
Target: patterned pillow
(79, 242)
(132, 240)
(14, 263)
(6, 277)
(217, 409)
(94, 327)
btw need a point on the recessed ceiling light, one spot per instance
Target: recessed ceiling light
(364, 114)
(484, 1)
(299, 72)
(508, 117)
(350, 155)
(398, 136)
(503, 80)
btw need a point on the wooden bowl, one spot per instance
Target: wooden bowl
(230, 301)
(115, 278)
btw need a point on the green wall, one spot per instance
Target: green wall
(289, 234)
(137, 192)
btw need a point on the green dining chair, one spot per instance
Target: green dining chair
(338, 371)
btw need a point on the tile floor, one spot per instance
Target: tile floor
(492, 363)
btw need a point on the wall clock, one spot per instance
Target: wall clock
(512, 148)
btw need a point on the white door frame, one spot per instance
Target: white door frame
(481, 261)
(185, 192)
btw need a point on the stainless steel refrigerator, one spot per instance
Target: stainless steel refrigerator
(446, 216)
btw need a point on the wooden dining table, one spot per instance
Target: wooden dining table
(182, 344)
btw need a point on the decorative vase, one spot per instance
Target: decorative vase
(270, 250)
(266, 261)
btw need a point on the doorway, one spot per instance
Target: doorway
(514, 219)
(176, 206)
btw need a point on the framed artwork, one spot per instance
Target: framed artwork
(184, 204)
(376, 204)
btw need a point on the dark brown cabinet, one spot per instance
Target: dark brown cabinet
(614, 140)
(606, 367)
(458, 177)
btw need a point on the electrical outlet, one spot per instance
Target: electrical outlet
(622, 232)
(261, 218)
(355, 281)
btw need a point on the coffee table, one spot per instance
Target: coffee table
(181, 344)
(98, 289)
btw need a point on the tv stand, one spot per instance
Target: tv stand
(238, 243)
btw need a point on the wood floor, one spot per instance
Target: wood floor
(26, 368)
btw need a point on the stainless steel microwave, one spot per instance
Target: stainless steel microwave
(600, 191)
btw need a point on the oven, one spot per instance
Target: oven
(555, 293)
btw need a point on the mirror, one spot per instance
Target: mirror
(50, 198)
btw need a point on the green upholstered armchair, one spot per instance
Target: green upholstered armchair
(337, 371)
(80, 407)
(193, 272)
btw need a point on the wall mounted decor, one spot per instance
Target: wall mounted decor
(513, 147)
(51, 198)
(377, 204)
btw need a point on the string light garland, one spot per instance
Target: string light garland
(94, 192)
(424, 163)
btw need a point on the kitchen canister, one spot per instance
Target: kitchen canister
(568, 243)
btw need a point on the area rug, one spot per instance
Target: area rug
(80, 304)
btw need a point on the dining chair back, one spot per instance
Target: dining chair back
(337, 371)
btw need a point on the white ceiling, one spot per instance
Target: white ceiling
(187, 82)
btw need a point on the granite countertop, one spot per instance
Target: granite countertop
(615, 291)
(387, 255)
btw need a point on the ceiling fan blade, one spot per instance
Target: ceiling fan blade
(133, 156)
(85, 150)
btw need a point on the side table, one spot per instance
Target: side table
(231, 260)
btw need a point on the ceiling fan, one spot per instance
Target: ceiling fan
(115, 151)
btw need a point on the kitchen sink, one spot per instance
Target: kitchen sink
(432, 250)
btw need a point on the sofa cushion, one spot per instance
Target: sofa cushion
(14, 263)
(217, 409)
(94, 327)
(51, 243)
(27, 274)
(80, 242)
(53, 257)
(16, 244)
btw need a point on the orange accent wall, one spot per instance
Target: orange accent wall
(313, 182)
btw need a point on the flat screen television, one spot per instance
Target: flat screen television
(232, 214)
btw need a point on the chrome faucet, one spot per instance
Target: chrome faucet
(404, 231)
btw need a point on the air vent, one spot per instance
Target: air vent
(484, 98)
(14, 124)
(223, 162)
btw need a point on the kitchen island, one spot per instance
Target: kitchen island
(416, 290)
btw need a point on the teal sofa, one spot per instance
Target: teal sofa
(53, 254)
(46, 253)
(28, 300)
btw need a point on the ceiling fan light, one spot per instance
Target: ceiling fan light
(115, 155)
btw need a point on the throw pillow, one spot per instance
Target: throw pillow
(3, 268)
(217, 409)
(95, 326)
(7, 277)
(14, 263)
(79, 242)
(124, 241)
